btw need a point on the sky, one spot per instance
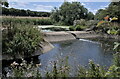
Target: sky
(48, 5)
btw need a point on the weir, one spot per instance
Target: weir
(68, 35)
(72, 35)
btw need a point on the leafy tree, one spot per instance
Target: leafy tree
(68, 12)
(4, 3)
(90, 15)
(113, 10)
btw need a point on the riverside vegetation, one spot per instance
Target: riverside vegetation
(21, 36)
(95, 70)
(20, 39)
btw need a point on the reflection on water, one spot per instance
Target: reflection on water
(79, 52)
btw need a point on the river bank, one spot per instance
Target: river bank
(44, 47)
(62, 36)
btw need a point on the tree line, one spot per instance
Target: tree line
(22, 12)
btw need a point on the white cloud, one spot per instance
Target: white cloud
(30, 6)
(71, 0)
(46, 8)
(103, 7)
(60, 0)
(83, 4)
(18, 4)
(92, 10)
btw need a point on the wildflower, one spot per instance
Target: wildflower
(106, 18)
(14, 64)
(98, 65)
(114, 18)
(29, 75)
(101, 22)
(38, 65)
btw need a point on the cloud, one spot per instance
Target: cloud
(71, 0)
(103, 7)
(83, 4)
(60, 0)
(92, 10)
(46, 8)
(31, 6)
(18, 4)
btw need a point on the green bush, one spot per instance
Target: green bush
(91, 23)
(21, 39)
(80, 28)
(108, 27)
(81, 22)
(72, 28)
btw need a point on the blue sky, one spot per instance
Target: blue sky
(48, 6)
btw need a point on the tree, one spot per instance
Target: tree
(90, 15)
(4, 3)
(101, 13)
(68, 12)
(113, 10)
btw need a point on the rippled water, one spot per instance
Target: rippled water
(79, 52)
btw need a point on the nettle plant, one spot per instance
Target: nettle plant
(21, 39)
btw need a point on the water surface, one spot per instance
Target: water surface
(79, 52)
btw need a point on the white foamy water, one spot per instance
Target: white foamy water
(89, 41)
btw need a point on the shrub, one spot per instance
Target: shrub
(72, 28)
(108, 27)
(21, 39)
(91, 23)
(81, 22)
(80, 28)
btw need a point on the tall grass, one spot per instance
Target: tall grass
(32, 21)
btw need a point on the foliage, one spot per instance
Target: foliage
(24, 69)
(4, 3)
(32, 21)
(21, 39)
(79, 27)
(117, 46)
(95, 70)
(22, 12)
(91, 23)
(100, 23)
(72, 28)
(108, 27)
(68, 12)
(63, 70)
(81, 22)
(112, 11)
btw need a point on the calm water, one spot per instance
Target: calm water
(79, 52)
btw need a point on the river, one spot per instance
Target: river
(79, 52)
